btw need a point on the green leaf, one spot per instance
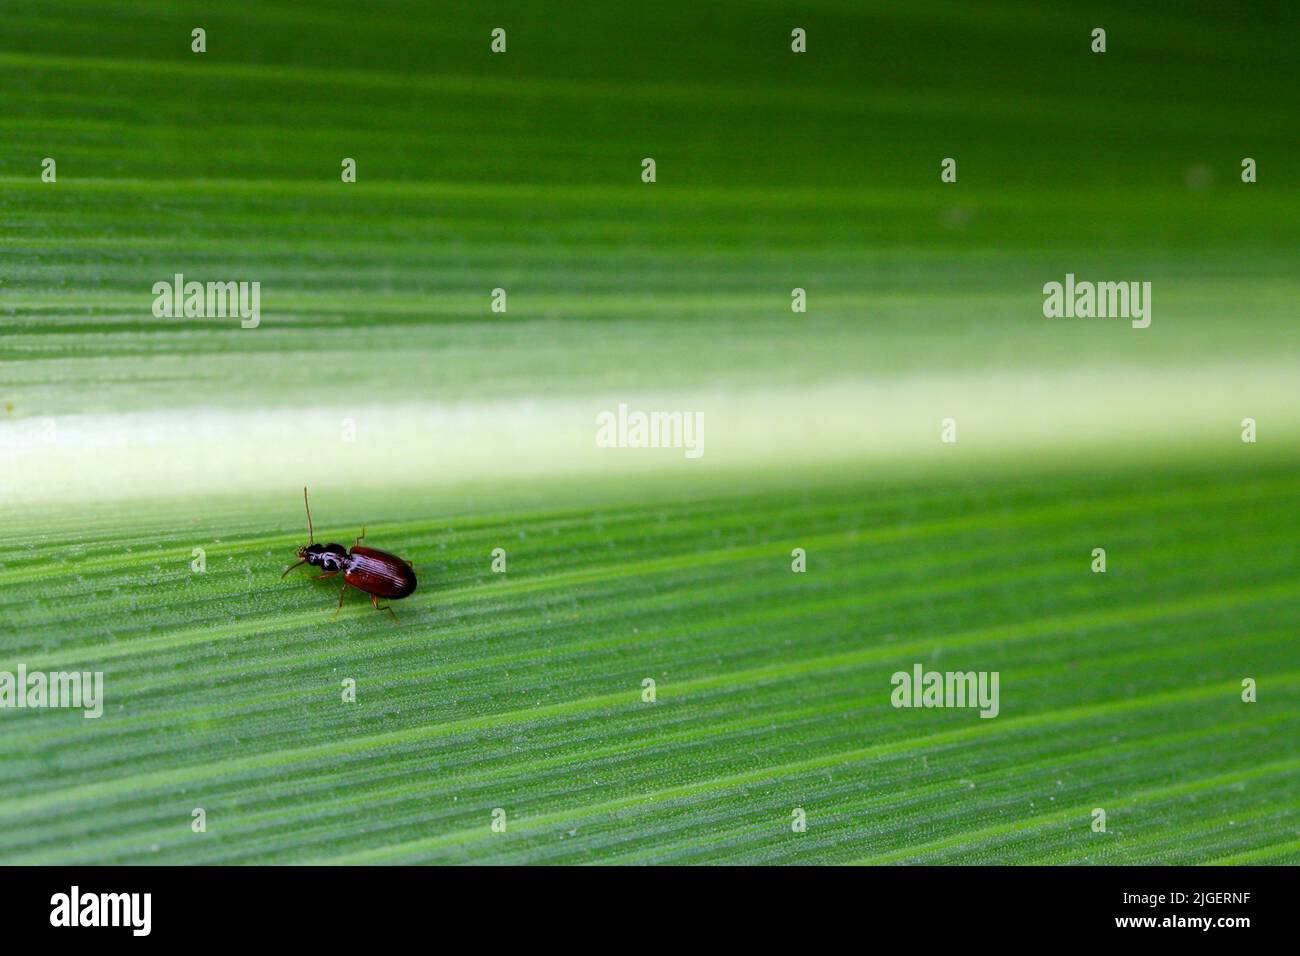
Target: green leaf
(523, 690)
(380, 377)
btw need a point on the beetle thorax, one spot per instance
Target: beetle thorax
(327, 557)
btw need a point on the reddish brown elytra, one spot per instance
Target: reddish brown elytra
(377, 573)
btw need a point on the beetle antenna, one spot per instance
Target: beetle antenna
(291, 567)
(311, 532)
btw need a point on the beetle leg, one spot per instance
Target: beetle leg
(387, 607)
(325, 574)
(361, 538)
(340, 607)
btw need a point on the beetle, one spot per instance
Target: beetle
(374, 572)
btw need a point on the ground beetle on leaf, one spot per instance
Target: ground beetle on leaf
(377, 573)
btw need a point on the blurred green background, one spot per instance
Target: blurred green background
(128, 439)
